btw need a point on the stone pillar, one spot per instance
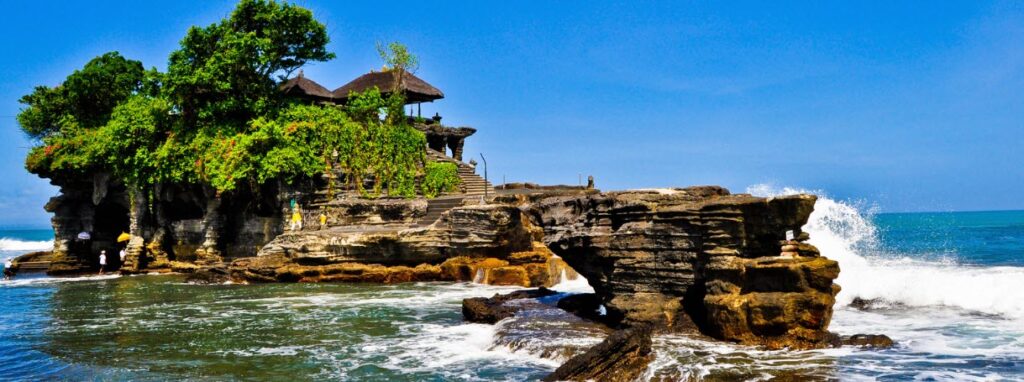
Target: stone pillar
(213, 222)
(72, 213)
(136, 248)
(156, 248)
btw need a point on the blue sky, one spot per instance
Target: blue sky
(908, 106)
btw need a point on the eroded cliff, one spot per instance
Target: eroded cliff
(698, 258)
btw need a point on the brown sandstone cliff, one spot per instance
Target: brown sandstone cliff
(698, 258)
(491, 244)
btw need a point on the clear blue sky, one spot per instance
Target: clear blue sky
(909, 106)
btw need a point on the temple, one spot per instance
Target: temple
(446, 140)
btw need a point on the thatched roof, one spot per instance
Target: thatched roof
(416, 90)
(301, 86)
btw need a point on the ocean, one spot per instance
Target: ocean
(948, 287)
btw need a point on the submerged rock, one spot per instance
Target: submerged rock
(208, 275)
(873, 341)
(623, 356)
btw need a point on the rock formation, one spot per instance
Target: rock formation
(697, 258)
(172, 224)
(490, 310)
(622, 357)
(491, 244)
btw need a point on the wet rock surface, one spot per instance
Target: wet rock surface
(622, 356)
(208, 275)
(872, 341)
(584, 305)
(490, 310)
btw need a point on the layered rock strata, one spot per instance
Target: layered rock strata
(697, 258)
(490, 244)
(623, 356)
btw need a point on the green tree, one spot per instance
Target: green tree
(84, 100)
(130, 140)
(398, 61)
(223, 74)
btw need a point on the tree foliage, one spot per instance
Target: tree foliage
(223, 75)
(440, 177)
(84, 100)
(217, 119)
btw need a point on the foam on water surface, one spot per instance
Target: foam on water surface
(11, 244)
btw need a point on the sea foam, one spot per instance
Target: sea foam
(8, 244)
(844, 233)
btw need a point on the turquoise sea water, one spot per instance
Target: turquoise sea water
(948, 287)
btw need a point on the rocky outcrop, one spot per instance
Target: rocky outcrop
(170, 223)
(621, 357)
(697, 258)
(355, 212)
(493, 309)
(491, 244)
(771, 301)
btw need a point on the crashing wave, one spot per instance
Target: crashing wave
(846, 234)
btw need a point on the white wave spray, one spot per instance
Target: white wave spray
(8, 244)
(843, 233)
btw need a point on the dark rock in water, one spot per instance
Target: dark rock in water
(585, 305)
(493, 309)
(623, 356)
(873, 341)
(861, 304)
(485, 310)
(874, 304)
(213, 275)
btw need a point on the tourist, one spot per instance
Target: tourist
(323, 220)
(122, 255)
(103, 260)
(8, 269)
(296, 220)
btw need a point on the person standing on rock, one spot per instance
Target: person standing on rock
(103, 260)
(8, 269)
(122, 255)
(296, 220)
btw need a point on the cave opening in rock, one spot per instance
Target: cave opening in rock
(111, 219)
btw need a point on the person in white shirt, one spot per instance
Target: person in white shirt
(103, 260)
(122, 255)
(8, 269)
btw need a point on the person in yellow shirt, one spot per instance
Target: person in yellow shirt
(323, 220)
(296, 220)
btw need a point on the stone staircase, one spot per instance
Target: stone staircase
(473, 186)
